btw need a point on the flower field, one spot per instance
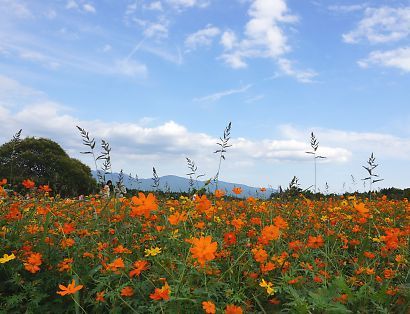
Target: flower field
(209, 254)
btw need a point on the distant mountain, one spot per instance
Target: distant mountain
(173, 183)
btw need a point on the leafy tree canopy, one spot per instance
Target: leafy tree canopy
(46, 163)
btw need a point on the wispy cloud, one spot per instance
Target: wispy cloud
(202, 37)
(381, 25)
(154, 6)
(303, 76)
(397, 58)
(80, 6)
(184, 4)
(217, 96)
(347, 8)
(157, 30)
(254, 99)
(15, 8)
(89, 8)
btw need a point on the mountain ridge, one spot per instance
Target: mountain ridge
(174, 183)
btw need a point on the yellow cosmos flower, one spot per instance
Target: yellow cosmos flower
(6, 258)
(152, 251)
(175, 234)
(268, 285)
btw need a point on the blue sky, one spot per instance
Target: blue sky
(160, 80)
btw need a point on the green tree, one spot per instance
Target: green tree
(45, 162)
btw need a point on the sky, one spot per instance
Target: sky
(160, 80)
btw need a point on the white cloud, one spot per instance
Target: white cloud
(217, 96)
(264, 37)
(203, 37)
(37, 57)
(184, 4)
(12, 93)
(381, 25)
(397, 58)
(131, 8)
(15, 8)
(80, 6)
(304, 76)
(129, 67)
(383, 145)
(155, 6)
(347, 8)
(71, 4)
(89, 8)
(155, 30)
(228, 39)
(138, 145)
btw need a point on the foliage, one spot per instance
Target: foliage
(45, 162)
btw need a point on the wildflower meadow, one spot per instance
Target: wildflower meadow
(212, 253)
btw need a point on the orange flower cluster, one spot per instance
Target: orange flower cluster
(162, 293)
(33, 262)
(131, 243)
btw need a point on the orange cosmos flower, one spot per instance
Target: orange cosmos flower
(369, 255)
(233, 309)
(209, 307)
(238, 223)
(200, 225)
(3, 182)
(229, 238)
(120, 249)
(28, 184)
(144, 205)
(237, 190)
(202, 203)
(161, 293)
(260, 255)
(361, 209)
(219, 193)
(280, 222)
(295, 245)
(269, 233)
(69, 242)
(70, 289)
(68, 228)
(342, 299)
(139, 266)
(65, 265)
(203, 249)
(127, 291)
(177, 217)
(33, 263)
(44, 188)
(116, 264)
(100, 296)
(389, 273)
(315, 242)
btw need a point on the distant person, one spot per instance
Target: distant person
(107, 189)
(120, 190)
